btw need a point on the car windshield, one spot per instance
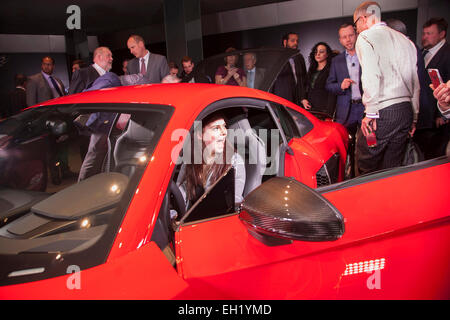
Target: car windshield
(267, 62)
(67, 174)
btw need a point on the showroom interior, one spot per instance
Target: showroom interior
(176, 28)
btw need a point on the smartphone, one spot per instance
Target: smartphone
(371, 138)
(435, 77)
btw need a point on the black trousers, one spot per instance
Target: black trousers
(392, 132)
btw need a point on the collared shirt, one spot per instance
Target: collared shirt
(432, 52)
(353, 71)
(99, 69)
(146, 57)
(50, 83)
(251, 77)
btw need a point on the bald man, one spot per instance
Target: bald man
(83, 78)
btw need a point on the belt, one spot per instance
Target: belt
(356, 101)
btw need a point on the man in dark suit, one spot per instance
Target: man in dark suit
(344, 80)
(84, 77)
(255, 75)
(44, 86)
(291, 82)
(153, 66)
(434, 132)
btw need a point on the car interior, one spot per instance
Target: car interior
(39, 216)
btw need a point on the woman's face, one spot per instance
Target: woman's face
(214, 136)
(231, 60)
(321, 53)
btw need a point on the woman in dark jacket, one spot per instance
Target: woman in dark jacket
(318, 98)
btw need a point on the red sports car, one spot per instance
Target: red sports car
(125, 232)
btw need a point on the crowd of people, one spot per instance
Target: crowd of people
(378, 83)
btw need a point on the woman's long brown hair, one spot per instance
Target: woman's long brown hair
(198, 174)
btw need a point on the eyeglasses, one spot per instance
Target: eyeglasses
(354, 23)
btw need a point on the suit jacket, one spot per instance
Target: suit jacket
(83, 79)
(338, 72)
(259, 77)
(100, 122)
(38, 89)
(108, 80)
(157, 68)
(319, 98)
(428, 109)
(285, 85)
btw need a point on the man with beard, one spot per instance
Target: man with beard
(291, 82)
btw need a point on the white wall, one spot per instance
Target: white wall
(290, 12)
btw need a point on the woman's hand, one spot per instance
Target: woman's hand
(232, 72)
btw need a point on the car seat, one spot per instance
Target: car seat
(254, 148)
(132, 146)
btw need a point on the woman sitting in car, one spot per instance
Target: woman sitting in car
(217, 157)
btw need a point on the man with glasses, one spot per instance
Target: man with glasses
(391, 88)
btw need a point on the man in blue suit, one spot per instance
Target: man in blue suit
(344, 81)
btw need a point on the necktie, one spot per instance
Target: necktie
(251, 78)
(143, 70)
(424, 52)
(55, 85)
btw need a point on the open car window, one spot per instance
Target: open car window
(55, 201)
(218, 200)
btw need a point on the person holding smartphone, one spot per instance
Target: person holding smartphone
(391, 89)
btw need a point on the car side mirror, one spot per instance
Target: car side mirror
(282, 209)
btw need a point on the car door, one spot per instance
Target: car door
(215, 253)
(218, 254)
(387, 250)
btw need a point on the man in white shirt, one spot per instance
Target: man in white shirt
(83, 78)
(391, 89)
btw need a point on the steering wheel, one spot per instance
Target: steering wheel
(178, 202)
